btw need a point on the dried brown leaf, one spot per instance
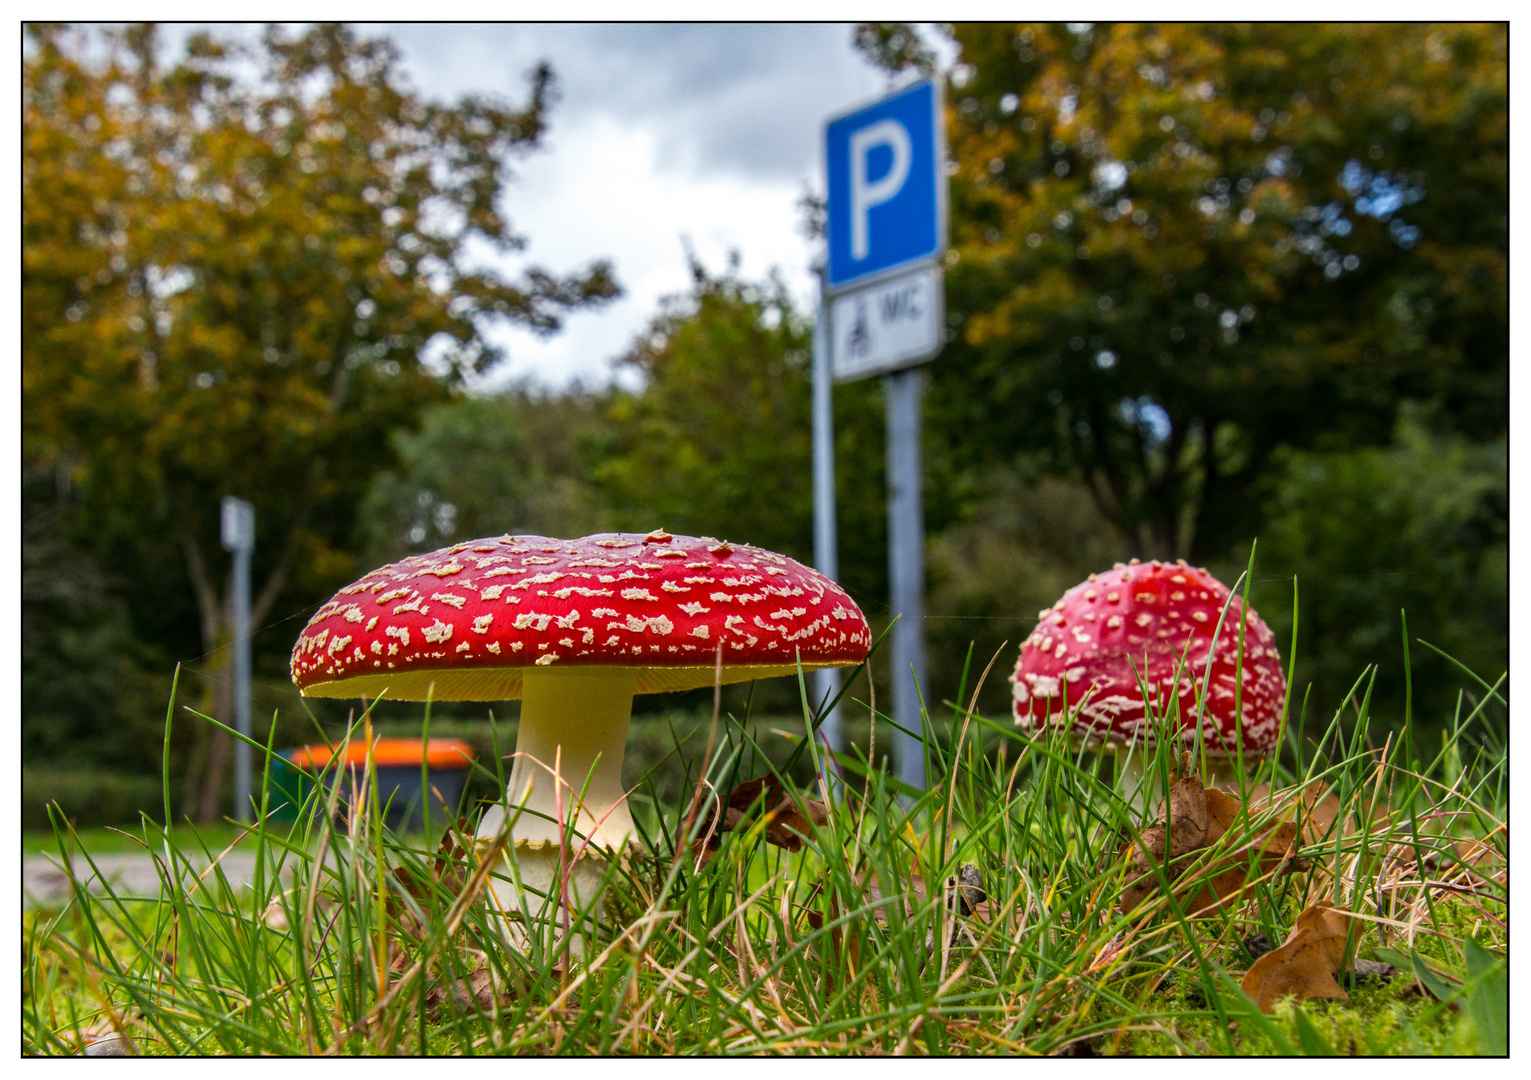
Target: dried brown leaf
(1199, 818)
(1187, 816)
(1306, 963)
(787, 824)
(479, 991)
(787, 819)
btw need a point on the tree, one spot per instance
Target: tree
(241, 272)
(512, 462)
(1419, 526)
(1177, 250)
(87, 695)
(717, 441)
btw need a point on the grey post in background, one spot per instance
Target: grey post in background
(239, 537)
(826, 681)
(906, 568)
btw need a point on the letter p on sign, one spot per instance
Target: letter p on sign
(864, 196)
(885, 167)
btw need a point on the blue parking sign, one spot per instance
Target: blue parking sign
(885, 166)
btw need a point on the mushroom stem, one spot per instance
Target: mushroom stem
(575, 719)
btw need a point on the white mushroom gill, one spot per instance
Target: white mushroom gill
(574, 720)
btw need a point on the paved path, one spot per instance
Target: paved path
(43, 881)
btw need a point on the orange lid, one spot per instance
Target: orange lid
(438, 753)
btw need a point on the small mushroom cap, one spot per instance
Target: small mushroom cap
(1157, 618)
(470, 618)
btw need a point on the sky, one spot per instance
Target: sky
(662, 135)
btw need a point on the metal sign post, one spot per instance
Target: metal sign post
(906, 566)
(826, 681)
(238, 530)
(885, 166)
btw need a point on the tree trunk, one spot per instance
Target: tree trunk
(208, 763)
(217, 750)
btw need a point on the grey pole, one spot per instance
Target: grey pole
(826, 681)
(906, 567)
(239, 537)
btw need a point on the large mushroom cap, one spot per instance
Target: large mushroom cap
(1158, 618)
(470, 618)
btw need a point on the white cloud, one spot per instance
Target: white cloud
(605, 193)
(660, 132)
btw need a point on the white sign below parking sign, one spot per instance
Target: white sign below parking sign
(888, 325)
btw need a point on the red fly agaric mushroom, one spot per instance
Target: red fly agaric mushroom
(574, 628)
(1153, 622)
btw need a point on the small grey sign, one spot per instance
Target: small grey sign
(892, 324)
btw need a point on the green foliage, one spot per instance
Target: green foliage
(717, 442)
(1178, 249)
(242, 272)
(1027, 543)
(1418, 526)
(89, 688)
(1487, 1009)
(514, 462)
(86, 795)
(895, 46)
(267, 290)
(279, 273)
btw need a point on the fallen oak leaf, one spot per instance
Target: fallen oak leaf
(1186, 817)
(1199, 817)
(1306, 963)
(787, 824)
(1276, 845)
(1184, 832)
(479, 991)
(788, 820)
